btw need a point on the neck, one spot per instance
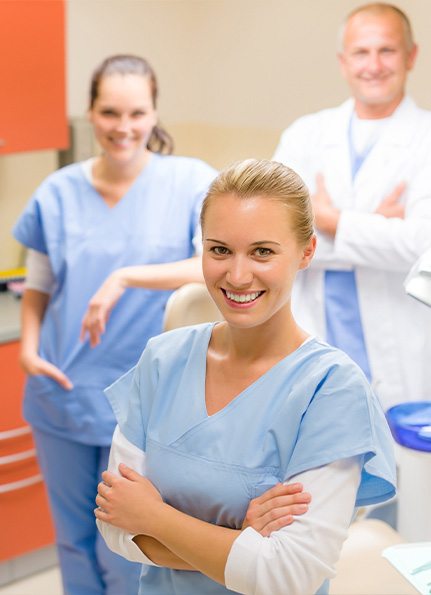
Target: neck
(114, 171)
(274, 339)
(376, 111)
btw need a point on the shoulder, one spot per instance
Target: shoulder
(330, 380)
(320, 118)
(176, 345)
(61, 182)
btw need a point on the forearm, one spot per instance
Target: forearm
(169, 275)
(160, 554)
(33, 308)
(207, 546)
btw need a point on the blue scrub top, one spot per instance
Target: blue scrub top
(310, 409)
(85, 241)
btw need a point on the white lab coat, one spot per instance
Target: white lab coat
(397, 328)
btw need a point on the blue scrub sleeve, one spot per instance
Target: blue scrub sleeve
(29, 229)
(131, 396)
(344, 419)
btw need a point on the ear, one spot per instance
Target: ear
(308, 253)
(342, 63)
(411, 57)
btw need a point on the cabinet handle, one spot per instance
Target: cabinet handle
(19, 456)
(15, 433)
(19, 485)
(2, 142)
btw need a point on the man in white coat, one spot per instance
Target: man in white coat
(367, 164)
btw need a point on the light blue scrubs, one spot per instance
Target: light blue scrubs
(85, 241)
(312, 408)
(342, 312)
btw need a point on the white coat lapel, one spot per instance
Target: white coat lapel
(336, 155)
(384, 167)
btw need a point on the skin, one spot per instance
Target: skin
(249, 248)
(375, 61)
(123, 117)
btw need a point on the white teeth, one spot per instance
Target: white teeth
(243, 297)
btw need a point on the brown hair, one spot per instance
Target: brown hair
(269, 179)
(160, 141)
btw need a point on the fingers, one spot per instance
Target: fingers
(38, 366)
(57, 375)
(280, 489)
(320, 183)
(94, 324)
(396, 194)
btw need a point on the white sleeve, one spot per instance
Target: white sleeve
(119, 541)
(39, 272)
(299, 558)
(389, 244)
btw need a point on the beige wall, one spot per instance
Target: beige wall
(232, 74)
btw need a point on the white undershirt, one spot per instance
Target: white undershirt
(366, 132)
(39, 271)
(294, 560)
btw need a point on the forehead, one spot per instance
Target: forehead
(233, 216)
(365, 29)
(120, 87)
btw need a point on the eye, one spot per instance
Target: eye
(138, 114)
(262, 252)
(108, 113)
(219, 250)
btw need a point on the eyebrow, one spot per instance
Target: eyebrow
(252, 244)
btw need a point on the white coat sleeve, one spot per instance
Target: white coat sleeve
(118, 540)
(390, 244)
(39, 272)
(299, 558)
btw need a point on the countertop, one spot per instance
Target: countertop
(10, 326)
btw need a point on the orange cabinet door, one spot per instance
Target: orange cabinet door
(24, 512)
(32, 75)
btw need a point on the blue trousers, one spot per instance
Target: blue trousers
(72, 471)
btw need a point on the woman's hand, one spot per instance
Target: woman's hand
(100, 306)
(276, 508)
(34, 365)
(128, 502)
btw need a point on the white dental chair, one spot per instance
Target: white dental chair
(190, 304)
(361, 569)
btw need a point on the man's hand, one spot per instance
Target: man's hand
(326, 216)
(391, 206)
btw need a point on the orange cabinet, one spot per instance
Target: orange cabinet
(32, 75)
(24, 512)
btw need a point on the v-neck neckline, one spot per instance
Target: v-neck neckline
(142, 174)
(250, 388)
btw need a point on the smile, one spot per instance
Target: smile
(242, 298)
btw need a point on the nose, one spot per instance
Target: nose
(239, 274)
(123, 123)
(374, 62)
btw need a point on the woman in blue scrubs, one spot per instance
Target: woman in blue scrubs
(133, 204)
(214, 414)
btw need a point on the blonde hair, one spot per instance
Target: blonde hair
(271, 180)
(377, 9)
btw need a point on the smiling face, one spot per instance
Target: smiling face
(375, 61)
(123, 116)
(250, 258)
